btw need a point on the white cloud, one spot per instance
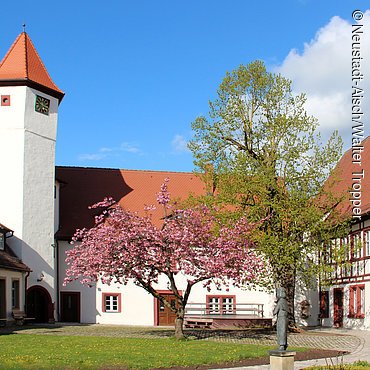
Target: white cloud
(127, 147)
(179, 144)
(91, 157)
(106, 152)
(323, 72)
(330, 109)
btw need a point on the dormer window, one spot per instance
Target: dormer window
(4, 233)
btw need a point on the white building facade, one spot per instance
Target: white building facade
(42, 205)
(28, 123)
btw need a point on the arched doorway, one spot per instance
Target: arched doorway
(39, 304)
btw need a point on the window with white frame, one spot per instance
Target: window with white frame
(346, 247)
(354, 269)
(111, 302)
(357, 301)
(2, 241)
(15, 293)
(361, 245)
(357, 246)
(220, 305)
(367, 243)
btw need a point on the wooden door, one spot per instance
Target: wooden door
(39, 304)
(70, 306)
(166, 317)
(338, 307)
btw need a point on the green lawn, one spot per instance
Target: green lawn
(340, 367)
(359, 365)
(79, 352)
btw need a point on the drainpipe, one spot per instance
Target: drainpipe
(25, 291)
(57, 279)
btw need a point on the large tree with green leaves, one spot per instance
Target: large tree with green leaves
(259, 152)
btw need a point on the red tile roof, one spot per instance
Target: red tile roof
(9, 261)
(82, 187)
(5, 229)
(23, 66)
(344, 173)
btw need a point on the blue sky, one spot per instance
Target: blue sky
(137, 73)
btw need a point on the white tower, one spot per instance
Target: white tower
(28, 122)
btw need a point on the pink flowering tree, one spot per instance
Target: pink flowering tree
(191, 243)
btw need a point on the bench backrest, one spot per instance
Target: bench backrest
(17, 313)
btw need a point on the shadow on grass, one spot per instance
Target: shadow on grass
(135, 332)
(13, 329)
(258, 334)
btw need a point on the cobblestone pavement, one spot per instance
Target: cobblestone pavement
(356, 342)
(362, 352)
(310, 339)
(346, 343)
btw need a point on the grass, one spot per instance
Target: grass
(359, 365)
(79, 352)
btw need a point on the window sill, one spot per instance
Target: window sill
(356, 316)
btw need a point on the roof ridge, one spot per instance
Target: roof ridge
(123, 169)
(40, 60)
(25, 52)
(10, 50)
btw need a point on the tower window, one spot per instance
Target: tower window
(5, 100)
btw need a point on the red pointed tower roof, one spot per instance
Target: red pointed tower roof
(23, 66)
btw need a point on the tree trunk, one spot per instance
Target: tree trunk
(179, 324)
(289, 285)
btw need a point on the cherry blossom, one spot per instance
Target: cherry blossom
(191, 243)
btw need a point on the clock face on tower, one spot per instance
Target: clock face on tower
(42, 105)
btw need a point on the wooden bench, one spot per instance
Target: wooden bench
(3, 322)
(20, 316)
